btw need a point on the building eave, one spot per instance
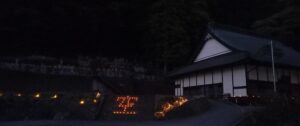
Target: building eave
(218, 61)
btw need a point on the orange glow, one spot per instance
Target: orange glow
(177, 104)
(182, 100)
(159, 114)
(1, 94)
(167, 107)
(55, 96)
(37, 95)
(125, 103)
(81, 102)
(123, 113)
(95, 101)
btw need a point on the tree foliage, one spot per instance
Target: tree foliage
(172, 28)
(283, 25)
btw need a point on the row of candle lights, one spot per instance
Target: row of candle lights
(82, 101)
(36, 95)
(125, 103)
(56, 96)
(124, 113)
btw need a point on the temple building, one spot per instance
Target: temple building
(238, 63)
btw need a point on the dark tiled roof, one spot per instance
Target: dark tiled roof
(258, 47)
(244, 46)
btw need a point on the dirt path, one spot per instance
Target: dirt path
(220, 114)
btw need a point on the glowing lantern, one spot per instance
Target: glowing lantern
(125, 103)
(37, 95)
(95, 101)
(19, 94)
(81, 102)
(55, 96)
(98, 95)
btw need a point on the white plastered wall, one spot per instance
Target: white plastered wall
(232, 78)
(211, 48)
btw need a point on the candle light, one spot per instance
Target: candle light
(19, 94)
(54, 96)
(81, 102)
(98, 95)
(37, 95)
(95, 101)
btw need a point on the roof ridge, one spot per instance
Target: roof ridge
(230, 28)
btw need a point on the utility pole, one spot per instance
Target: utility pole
(273, 68)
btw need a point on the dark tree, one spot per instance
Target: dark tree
(172, 28)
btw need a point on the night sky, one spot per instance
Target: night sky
(66, 28)
(117, 28)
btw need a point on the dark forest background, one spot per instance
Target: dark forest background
(160, 32)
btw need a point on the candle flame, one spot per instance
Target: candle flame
(167, 107)
(81, 102)
(37, 95)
